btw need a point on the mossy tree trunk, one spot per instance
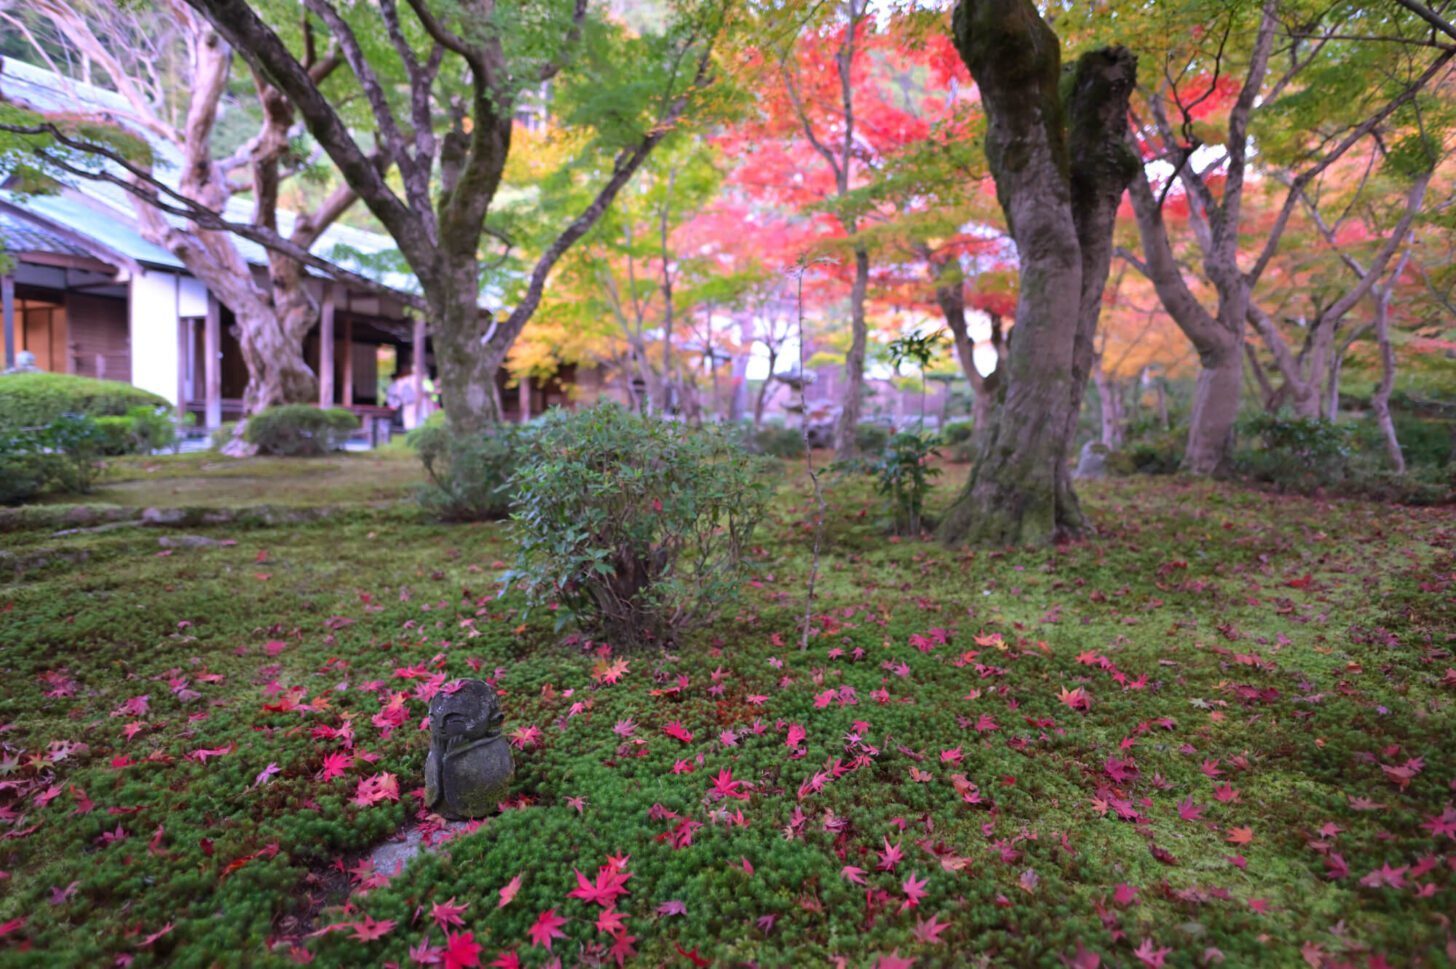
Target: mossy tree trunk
(1056, 149)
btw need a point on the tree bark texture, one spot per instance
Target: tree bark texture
(852, 406)
(1020, 488)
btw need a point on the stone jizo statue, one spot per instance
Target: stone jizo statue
(468, 771)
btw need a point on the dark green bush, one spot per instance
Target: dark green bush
(635, 526)
(779, 441)
(155, 428)
(470, 476)
(37, 399)
(60, 455)
(116, 436)
(872, 438)
(1159, 452)
(1425, 443)
(1296, 453)
(957, 431)
(300, 430)
(903, 478)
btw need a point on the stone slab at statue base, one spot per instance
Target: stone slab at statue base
(469, 767)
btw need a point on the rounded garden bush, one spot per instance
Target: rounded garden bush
(635, 526)
(300, 430)
(37, 399)
(470, 475)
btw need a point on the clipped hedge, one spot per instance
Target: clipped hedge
(300, 430)
(37, 399)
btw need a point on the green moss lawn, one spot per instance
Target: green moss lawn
(1220, 732)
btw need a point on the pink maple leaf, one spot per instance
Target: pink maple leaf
(853, 874)
(369, 930)
(448, 913)
(725, 786)
(914, 891)
(1150, 956)
(335, 764)
(929, 931)
(622, 949)
(1189, 811)
(889, 857)
(509, 892)
(610, 921)
(609, 884)
(673, 907)
(461, 951)
(547, 927)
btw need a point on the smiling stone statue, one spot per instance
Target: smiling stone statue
(468, 771)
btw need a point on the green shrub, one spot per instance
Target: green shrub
(778, 441)
(61, 454)
(636, 527)
(956, 432)
(224, 433)
(871, 438)
(470, 476)
(1298, 453)
(23, 474)
(156, 428)
(300, 430)
(903, 478)
(1425, 443)
(1159, 452)
(37, 399)
(116, 436)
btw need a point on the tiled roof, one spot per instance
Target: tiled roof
(18, 235)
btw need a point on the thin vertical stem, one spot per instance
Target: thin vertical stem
(809, 465)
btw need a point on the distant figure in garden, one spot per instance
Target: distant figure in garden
(401, 396)
(24, 363)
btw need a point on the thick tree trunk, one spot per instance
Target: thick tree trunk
(1020, 488)
(1215, 410)
(854, 361)
(467, 364)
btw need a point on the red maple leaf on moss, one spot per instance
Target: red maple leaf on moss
(461, 951)
(547, 927)
(369, 930)
(609, 884)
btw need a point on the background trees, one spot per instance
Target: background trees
(175, 75)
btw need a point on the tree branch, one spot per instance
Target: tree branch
(1291, 199)
(266, 52)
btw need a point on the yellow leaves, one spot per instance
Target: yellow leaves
(609, 672)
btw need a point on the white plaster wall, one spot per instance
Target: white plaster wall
(153, 329)
(193, 297)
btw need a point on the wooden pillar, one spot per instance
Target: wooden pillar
(212, 363)
(326, 348)
(191, 358)
(525, 399)
(349, 361)
(7, 298)
(417, 375)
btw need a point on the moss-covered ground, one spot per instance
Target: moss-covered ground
(1221, 731)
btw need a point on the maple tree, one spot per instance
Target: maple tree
(443, 89)
(1251, 81)
(184, 211)
(1021, 488)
